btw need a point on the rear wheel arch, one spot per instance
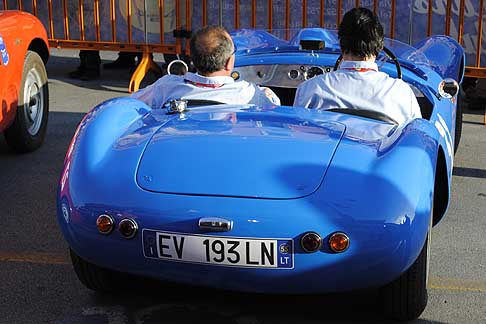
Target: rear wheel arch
(441, 187)
(405, 298)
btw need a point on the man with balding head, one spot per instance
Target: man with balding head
(212, 53)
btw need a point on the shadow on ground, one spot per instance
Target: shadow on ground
(145, 301)
(109, 80)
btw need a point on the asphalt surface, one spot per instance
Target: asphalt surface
(38, 284)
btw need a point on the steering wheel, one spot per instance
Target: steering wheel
(388, 52)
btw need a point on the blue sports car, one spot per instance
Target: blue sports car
(269, 199)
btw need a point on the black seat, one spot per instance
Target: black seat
(202, 102)
(372, 114)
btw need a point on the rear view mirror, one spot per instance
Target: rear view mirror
(448, 88)
(177, 67)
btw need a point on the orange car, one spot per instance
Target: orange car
(23, 80)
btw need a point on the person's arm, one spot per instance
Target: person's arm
(146, 94)
(155, 94)
(415, 111)
(306, 97)
(300, 98)
(254, 94)
(271, 95)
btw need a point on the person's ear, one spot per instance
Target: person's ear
(230, 63)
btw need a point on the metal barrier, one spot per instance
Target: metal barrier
(164, 25)
(115, 25)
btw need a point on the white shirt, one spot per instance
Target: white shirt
(194, 86)
(359, 85)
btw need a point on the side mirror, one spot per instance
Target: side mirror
(177, 67)
(448, 88)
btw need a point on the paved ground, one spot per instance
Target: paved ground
(38, 285)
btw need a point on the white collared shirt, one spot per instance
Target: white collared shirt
(359, 85)
(194, 86)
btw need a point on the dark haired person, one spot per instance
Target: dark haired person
(212, 53)
(358, 84)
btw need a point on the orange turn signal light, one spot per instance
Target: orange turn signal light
(338, 242)
(105, 224)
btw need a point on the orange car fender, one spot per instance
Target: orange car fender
(20, 32)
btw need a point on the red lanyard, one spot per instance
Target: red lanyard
(204, 85)
(358, 69)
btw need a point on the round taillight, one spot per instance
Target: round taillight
(338, 242)
(128, 228)
(311, 242)
(105, 224)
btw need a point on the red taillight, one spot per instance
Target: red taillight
(128, 228)
(311, 242)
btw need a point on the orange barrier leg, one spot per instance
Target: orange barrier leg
(146, 64)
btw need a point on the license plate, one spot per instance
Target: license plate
(219, 250)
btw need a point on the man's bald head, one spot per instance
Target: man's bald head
(211, 47)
